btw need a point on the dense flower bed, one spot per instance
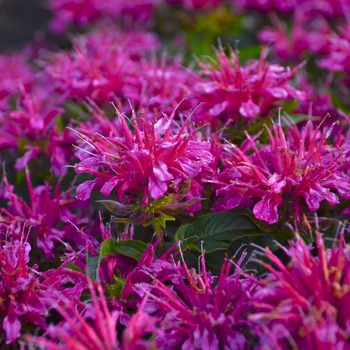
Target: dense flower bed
(162, 189)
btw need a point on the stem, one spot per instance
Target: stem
(159, 232)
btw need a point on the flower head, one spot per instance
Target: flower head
(232, 93)
(47, 214)
(303, 304)
(26, 294)
(287, 179)
(151, 171)
(75, 12)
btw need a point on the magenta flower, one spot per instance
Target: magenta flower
(31, 128)
(305, 36)
(327, 8)
(96, 328)
(68, 12)
(193, 311)
(232, 93)
(151, 171)
(303, 305)
(288, 179)
(337, 59)
(157, 86)
(26, 298)
(16, 74)
(196, 4)
(100, 64)
(19, 297)
(47, 214)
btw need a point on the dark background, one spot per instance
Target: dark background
(23, 20)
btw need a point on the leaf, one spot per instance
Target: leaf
(217, 230)
(75, 268)
(92, 263)
(297, 118)
(116, 288)
(131, 248)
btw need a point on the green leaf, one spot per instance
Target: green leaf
(297, 118)
(116, 288)
(217, 230)
(131, 248)
(75, 268)
(92, 263)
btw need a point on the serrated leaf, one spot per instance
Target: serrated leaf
(217, 230)
(131, 248)
(92, 263)
(116, 288)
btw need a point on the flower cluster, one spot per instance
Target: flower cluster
(125, 157)
(303, 305)
(81, 14)
(154, 170)
(232, 93)
(286, 179)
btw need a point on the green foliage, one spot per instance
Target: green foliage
(217, 230)
(131, 248)
(116, 288)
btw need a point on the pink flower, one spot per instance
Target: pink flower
(31, 128)
(96, 328)
(16, 74)
(305, 36)
(82, 13)
(26, 298)
(47, 214)
(303, 304)
(195, 312)
(99, 65)
(234, 94)
(286, 179)
(327, 8)
(337, 59)
(151, 170)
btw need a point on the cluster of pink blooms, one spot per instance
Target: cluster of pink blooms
(289, 177)
(114, 148)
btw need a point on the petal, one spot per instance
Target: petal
(249, 109)
(156, 187)
(267, 208)
(108, 187)
(84, 190)
(161, 172)
(218, 108)
(12, 327)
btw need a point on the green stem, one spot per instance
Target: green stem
(159, 232)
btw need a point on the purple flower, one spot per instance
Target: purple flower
(96, 328)
(327, 8)
(304, 36)
(68, 12)
(31, 128)
(234, 94)
(153, 171)
(337, 59)
(194, 312)
(17, 73)
(288, 179)
(26, 294)
(99, 64)
(303, 304)
(47, 214)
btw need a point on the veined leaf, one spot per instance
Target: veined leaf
(217, 230)
(131, 248)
